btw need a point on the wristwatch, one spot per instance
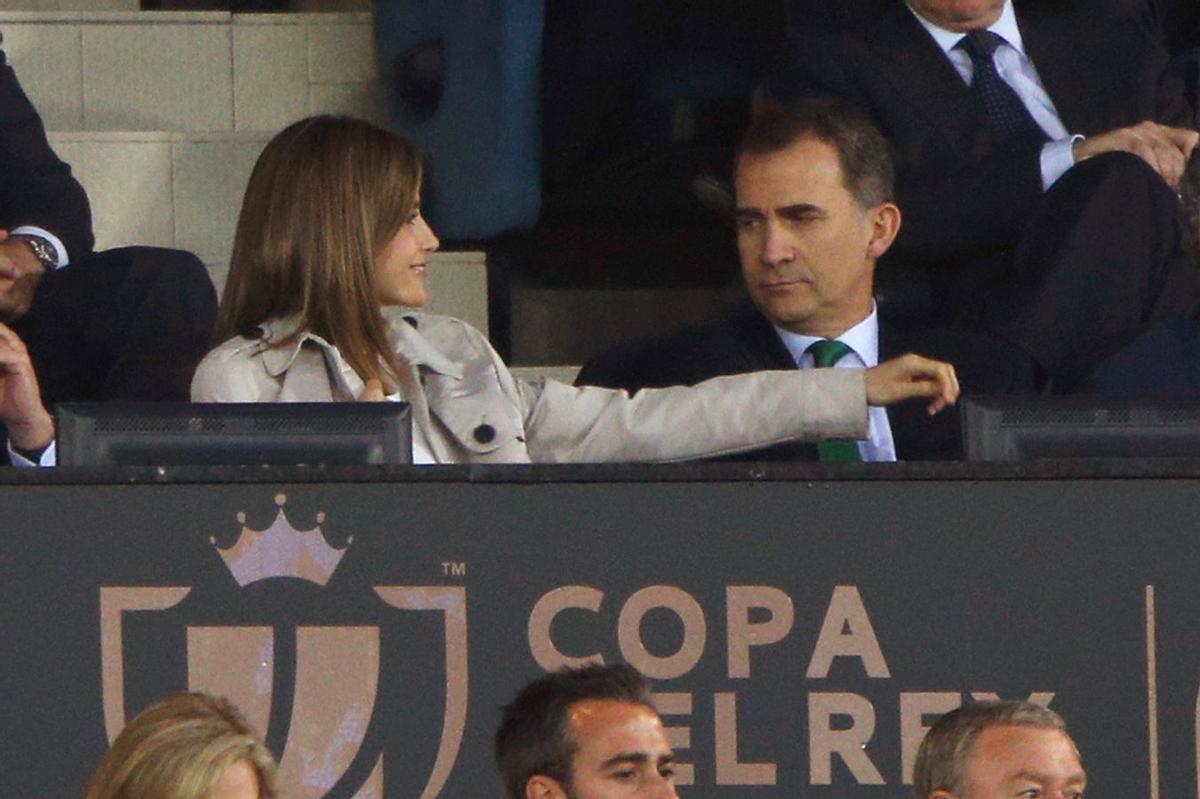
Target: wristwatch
(43, 250)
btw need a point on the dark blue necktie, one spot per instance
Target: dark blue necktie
(1008, 118)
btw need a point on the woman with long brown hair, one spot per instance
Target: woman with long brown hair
(331, 247)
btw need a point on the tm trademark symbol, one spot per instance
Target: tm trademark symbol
(454, 568)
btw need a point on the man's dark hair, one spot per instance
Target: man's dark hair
(534, 736)
(866, 160)
(942, 758)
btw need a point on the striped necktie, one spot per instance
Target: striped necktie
(826, 353)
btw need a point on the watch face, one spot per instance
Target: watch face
(43, 250)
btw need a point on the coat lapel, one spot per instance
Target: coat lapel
(763, 347)
(923, 74)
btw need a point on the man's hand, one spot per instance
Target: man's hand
(911, 376)
(20, 271)
(29, 425)
(1164, 148)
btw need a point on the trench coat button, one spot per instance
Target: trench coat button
(485, 434)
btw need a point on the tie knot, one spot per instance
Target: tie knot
(827, 352)
(981, 45)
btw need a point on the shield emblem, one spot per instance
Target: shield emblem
(326, 676)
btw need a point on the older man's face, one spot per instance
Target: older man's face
(959, 15)
(1019, 761)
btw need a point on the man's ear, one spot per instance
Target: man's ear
(540, 786)
(885, 219)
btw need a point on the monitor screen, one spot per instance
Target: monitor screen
(202, 434)
(1024, 429)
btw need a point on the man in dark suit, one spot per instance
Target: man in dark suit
(1180, 22)
(1038, 146)
(128, 324)
(814, 214)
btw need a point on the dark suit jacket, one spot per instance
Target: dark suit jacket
(744, 341)
(125, 324)
(1180, 22)
(36, 188)
(1102, 63)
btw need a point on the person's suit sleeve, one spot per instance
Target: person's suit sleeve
(949, 213)
(36, 187)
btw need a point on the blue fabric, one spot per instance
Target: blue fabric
(1162, 362)
(483, 142)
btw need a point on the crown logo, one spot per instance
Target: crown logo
(281, 551)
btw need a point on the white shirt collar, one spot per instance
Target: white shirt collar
(1006, 27)
(863, 338)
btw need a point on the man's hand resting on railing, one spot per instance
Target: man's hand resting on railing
(29, 425)
(911, 376)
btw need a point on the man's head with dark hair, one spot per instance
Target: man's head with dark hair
(868, 171)
(813, 188)
(987, 750)
(586, 733)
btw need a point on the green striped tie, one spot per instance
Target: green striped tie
(826, 353)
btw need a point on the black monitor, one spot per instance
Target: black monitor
(235, 433)
(1012, 429)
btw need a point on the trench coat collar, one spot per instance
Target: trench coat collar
(402, 332)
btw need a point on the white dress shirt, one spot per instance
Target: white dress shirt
(1017, 71)
(49, 457)
(863, 341)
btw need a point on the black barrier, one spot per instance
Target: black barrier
(802, 631)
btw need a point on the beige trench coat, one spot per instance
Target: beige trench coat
(472, 409)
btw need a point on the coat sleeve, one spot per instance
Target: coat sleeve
(36, 188)
(717, 417)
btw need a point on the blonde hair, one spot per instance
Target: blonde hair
(326, 194)
(178, 748)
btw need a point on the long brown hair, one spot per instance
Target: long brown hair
(179, 748)
(326, 194)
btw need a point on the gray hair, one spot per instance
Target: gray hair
(942, 759)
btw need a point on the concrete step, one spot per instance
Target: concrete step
(562, 326)
(70, 5)
(99, 70)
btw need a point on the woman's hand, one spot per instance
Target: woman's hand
(912, 376)
(30, 427)
(372, 391)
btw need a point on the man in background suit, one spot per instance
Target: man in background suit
(124, 324)
(814, 213)
(1038, 147)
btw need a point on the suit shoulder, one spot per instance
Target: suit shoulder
(684, 357)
